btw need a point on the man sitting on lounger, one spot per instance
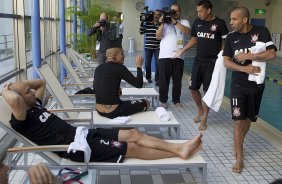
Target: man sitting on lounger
(107, 145)
(107, 78)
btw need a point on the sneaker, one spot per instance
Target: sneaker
(149, 80)
(178, 105)
(157, 84)
(164, 105)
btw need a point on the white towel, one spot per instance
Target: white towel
(162, 114)
(259, 77)
(214, 95)
(80, 143)
(120, 119)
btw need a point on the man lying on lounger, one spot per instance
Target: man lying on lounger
(107, 78)
(107, 145)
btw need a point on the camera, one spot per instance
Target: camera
(167, 14)
(146, 15)
(102, 23)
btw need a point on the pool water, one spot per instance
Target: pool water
(271, 105)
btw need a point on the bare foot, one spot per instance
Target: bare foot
(238, 166)
(191, 147)
(203, 125)
(178, 105)
(198, 117)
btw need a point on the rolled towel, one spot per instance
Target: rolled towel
(162, 114)
(80, 143)
(259, 77)
(120, 119)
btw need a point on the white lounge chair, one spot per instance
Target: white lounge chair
(196, 161)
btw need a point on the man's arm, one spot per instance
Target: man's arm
(111, 33)
(263, 56)
(184, 29)
(91, 31)
(15, 101)
(39, 86)
(159, 32)
(190, 44)
(249, 69)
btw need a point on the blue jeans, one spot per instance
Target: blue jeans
(148, 57)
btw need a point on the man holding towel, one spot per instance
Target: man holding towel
(245, 97)
(207, 33)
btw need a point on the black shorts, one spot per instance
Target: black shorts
(104, 145)
(201, 74)
(127, 108)
(245, 102)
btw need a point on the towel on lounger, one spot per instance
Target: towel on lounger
(162, 114)
(80, 143)
(214, 95)
(120, 119)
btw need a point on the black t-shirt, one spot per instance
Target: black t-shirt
(209, 38)
(43, 127)
(107, 78)
(242, 42)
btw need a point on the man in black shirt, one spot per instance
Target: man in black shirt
(152, 45)
(107, 145)
(107, 78)
(207, 32)
(245, 95)
(107, 36)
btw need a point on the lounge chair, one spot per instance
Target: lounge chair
(196, 161)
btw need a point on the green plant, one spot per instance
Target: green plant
(85, 44)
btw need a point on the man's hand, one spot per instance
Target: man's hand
(178, 53)
(250, 69)
(139, 61)
(40, 174)
(242, 57)
(6, 88)
(97, 24)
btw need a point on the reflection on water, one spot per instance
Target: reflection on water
(271, 105)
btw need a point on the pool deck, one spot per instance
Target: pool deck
(262, 149)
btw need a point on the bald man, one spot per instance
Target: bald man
(245, 95)
(107, 36)
(107, 86)
(40, 126)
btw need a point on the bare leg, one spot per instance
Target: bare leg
(183, 150)
(203, 124)
(240, 130)
(198, 100)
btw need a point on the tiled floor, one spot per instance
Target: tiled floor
(263, 161)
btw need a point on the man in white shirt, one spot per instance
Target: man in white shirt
(171, 32)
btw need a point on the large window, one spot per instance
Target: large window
(7, 60)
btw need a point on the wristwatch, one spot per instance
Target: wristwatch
(175, 23)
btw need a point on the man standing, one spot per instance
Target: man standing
(207, 32)
(152, 45)
(107, 36)
(171, 32)
(245, 97)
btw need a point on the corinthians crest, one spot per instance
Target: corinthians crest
(254, 38)
(236, 111)
(213, 27)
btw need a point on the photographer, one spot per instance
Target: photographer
(149, 26)
(171, 32)
(107, 36)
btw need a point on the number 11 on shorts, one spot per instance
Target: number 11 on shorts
(234, 101)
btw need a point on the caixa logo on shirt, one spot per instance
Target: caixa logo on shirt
(44, 117)
(205, 35)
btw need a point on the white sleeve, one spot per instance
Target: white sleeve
(185, 23)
